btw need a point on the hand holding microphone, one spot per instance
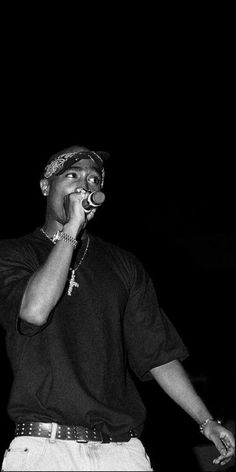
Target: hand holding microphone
(89, 202)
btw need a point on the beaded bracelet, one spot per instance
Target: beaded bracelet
(208, 420)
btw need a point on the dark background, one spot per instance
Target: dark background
(165, 117)
(173, 209)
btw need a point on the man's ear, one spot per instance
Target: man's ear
(45, 187)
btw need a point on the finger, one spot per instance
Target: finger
(221, 460)
(227, 439)
(220, 446)
(91, 214)
(223, 441)
(224, 457)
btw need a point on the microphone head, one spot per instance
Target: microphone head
(97, 197)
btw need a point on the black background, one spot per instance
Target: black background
(169, 199)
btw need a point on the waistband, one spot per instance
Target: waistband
(76, 433)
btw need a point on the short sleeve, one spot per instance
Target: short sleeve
(17, 264)
(151, 338)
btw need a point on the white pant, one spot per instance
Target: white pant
(33, 454)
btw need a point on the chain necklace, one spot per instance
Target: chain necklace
(72, 282)
(47, 236)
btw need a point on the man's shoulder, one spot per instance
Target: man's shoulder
(115, 250)
(17, 243)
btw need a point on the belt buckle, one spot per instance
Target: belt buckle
(81, 434)
(84, 435)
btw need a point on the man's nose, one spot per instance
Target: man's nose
(85, 183)
(82, 187)
(82, 183)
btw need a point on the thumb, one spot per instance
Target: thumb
(219, 444)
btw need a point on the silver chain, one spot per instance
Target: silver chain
(72, 282)
(83, 256)
(47, 236)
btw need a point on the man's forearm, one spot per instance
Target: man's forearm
(175, 382)
(46, 285)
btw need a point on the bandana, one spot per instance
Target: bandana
(59, 164)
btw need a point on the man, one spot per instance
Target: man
(79, 314)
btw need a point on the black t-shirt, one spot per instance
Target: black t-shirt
(76, 369)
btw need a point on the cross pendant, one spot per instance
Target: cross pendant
(72, 283)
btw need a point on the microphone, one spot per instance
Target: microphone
(94, 200)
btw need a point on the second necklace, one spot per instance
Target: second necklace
(72, 282)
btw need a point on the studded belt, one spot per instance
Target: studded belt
(80, 434)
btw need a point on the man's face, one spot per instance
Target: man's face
(83, 174)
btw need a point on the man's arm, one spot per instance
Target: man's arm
(46, 285)
(175, 382)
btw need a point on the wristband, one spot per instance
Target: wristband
(203, 425)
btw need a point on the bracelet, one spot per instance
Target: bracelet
(208, 420)
(65, 237)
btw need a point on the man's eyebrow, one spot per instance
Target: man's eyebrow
(79, 168)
